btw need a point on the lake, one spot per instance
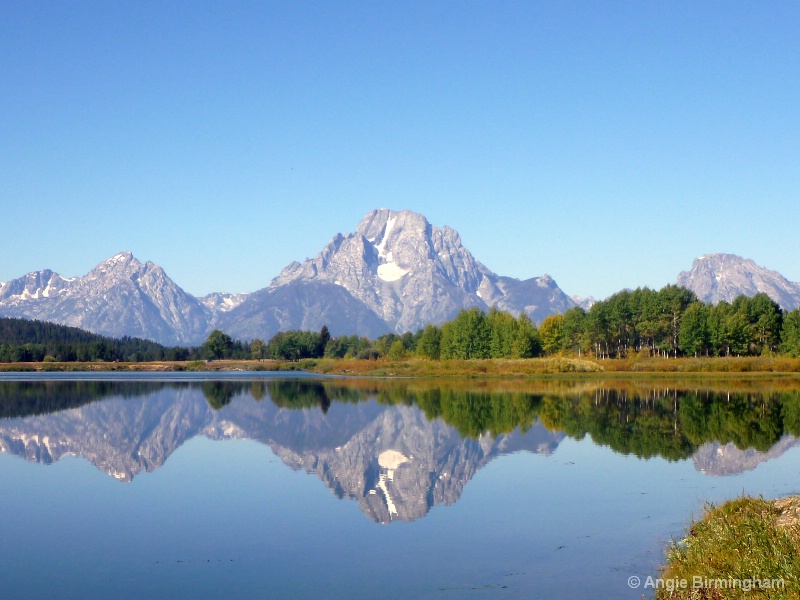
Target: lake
(255, 485)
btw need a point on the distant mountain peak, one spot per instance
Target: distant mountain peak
(120, 259)
(410, 273)
(223, 301)
(585, 302)
(120, 296)
(125, 255)
(720, 276)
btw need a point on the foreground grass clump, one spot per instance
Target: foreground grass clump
(745, 548)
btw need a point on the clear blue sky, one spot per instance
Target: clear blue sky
(607, 144)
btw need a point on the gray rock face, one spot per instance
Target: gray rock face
(411, 273)
(717, 277)
(119, 297)
(301, 305)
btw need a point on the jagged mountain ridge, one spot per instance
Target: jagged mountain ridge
(396, 272)
(222, 301)
(408, 273)
(119, 297)
(718, 277)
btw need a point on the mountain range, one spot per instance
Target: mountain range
(395, 273)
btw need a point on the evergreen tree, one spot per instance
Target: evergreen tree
(324, 338)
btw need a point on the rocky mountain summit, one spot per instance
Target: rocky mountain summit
(119, 297)
(404, 271)
(717, 277)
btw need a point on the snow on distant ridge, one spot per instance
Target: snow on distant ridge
(222, 301)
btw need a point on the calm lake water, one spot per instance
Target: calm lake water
(258, 486)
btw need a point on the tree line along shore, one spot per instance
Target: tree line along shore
(624, 332)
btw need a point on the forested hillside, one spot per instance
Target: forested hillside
(22, 340)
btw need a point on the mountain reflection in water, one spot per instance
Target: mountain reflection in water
(396, 448)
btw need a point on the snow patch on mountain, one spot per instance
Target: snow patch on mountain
(585, 302)
(391, 271)
(381, 248)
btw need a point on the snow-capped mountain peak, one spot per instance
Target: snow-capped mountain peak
(120, 296)
(33, 286)
(410, 273)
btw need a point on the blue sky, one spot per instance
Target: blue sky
(607, 144)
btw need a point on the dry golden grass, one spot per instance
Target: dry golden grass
(681, 369)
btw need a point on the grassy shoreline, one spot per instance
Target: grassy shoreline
(489, 368)
(744, 548)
